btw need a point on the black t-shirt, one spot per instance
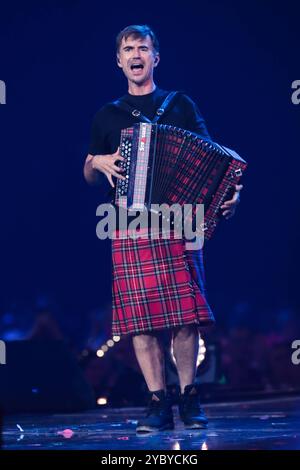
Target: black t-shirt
(110, 120)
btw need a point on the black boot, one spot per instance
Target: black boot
(190, 409)
(173, 394)
(159, 415)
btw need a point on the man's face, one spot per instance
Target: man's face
(137, 58)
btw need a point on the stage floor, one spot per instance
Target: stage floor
(264, 424)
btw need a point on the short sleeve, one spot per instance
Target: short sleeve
(97, 139)
(97, 147)
(194, 119)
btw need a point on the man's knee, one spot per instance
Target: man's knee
(144, 341)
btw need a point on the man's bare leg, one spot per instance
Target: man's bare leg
(150, 356)
(185, 350)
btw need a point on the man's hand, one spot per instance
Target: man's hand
(231, 205)
(107, 165)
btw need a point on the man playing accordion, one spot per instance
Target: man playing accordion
(158, 284)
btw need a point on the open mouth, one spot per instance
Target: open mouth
(136, 66)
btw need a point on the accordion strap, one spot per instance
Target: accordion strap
(136, 113)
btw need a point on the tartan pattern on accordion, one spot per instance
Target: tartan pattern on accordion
(165, 164)
(157, 284)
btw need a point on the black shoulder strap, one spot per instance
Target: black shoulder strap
(130, 109)
(136, 113)
(160, 111)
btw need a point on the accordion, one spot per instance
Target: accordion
(168, 165)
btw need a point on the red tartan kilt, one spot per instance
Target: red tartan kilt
(157, 284)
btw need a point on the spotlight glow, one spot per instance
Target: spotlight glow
(202, 351)
(102, 401)
(176, 446)
(100, 353)
(110, 343)
(116, 338)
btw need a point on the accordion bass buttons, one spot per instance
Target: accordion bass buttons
(122, 185)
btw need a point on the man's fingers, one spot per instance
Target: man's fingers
(117, 175)
(116, 168)
(119, 157)
(228, 204)
(117, 152)
(227, 214)
(109, 177)
(111, 168)
(235, 199)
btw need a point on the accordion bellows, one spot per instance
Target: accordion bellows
(168, 165)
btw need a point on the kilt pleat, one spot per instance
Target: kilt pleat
(156, 284)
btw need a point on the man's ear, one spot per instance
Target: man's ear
(118, 61)
(156, 60)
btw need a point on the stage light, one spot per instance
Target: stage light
(116, 338)
(176, 446)
(201, 352)
(204, 446)
(110, 343)
(102, 401)
(104, 348)
(100, 353)
(66, 433)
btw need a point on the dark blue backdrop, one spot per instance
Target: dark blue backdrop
(237, 60)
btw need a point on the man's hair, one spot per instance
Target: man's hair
(137, 32)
